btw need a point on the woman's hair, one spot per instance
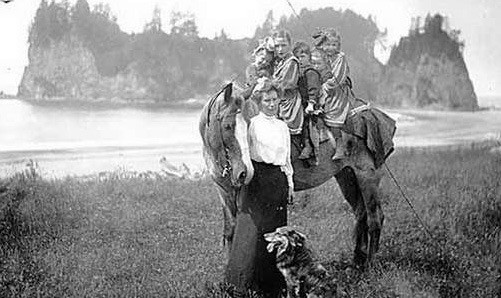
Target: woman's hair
(301, 47)
(282, 33)
(265, 86)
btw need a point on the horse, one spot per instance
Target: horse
(223, 128)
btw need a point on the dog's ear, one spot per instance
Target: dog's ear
(269, 236)
(278, 242)
(297, 238)
(274, 240)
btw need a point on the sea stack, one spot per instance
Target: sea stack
(427, 70)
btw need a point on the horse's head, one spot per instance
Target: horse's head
(223, 127)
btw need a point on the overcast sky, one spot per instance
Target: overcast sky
(478, 20)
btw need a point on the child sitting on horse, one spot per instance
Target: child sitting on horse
(336, 90)
(262, 66)
(285, 78)
(309, 84)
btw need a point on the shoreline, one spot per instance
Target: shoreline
(177, 169)
(191, 104)
(196, 103)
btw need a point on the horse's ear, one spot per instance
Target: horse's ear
(228, 90)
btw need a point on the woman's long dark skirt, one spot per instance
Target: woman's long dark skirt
(263, 208)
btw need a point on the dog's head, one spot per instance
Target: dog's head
(284, 239)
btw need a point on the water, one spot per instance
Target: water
(79, 140)
(490, 101)
(76, 140)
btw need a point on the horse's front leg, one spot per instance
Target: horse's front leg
(229, 203)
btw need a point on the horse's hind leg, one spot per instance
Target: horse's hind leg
(348, 183)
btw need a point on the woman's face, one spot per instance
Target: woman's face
(269, 103)
(282, 47)
(331, 46)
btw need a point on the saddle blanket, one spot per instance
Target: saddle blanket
(377, 129)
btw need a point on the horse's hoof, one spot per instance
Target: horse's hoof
(360, 260)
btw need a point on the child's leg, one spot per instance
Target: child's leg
(336, 133)
(314, 138)
(307, 149)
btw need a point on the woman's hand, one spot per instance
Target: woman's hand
(290, 196)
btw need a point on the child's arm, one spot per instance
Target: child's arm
(314, 87)
(339, 70)
(289, 77)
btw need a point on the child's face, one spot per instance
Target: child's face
(304, 58)
(282, 47)
(331, 46)
(318, 61)
(262, 73)
(263, 57)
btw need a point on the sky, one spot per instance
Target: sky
(478, 20)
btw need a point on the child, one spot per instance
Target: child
(263, 61)
(309, 84)
(262, 66)
(319, 62)
(285, 78)
(336, 89)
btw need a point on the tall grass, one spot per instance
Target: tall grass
(133, 236)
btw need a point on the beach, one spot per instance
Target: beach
(82, 140)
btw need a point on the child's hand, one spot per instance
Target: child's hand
(310, 108)
(319, 111)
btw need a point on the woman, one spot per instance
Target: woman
(263, 204)
(285, 78)
(336, 89)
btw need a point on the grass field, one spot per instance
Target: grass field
(133, 236)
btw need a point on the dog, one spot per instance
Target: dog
(304, 276)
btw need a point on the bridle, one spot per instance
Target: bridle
(226, 167)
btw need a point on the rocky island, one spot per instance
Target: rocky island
(427, 70)
(76, 52)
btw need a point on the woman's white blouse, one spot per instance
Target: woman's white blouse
(270, 142)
